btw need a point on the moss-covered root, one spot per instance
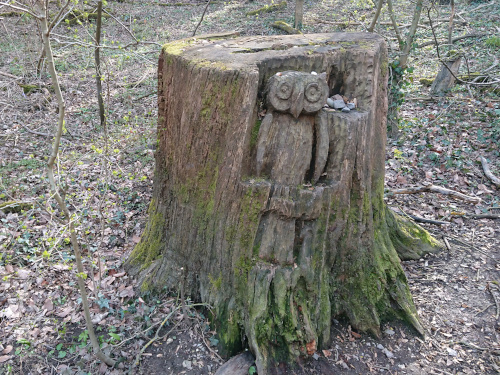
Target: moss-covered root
(14, 206)
(372, 286)
(401, 295)
(282, 25)
(410, 240)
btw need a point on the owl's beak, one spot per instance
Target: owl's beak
(297, 102)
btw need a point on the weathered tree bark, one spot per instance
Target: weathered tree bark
(272, 204)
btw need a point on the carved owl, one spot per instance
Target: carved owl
(290, 132)
(297, 92)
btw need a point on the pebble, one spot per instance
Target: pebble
(338, 104)
(351, 105)
(452, 352)
(346, 109)
(316, 356)
(187, 364)
(329, 101)
(388, 353)
(389, 332)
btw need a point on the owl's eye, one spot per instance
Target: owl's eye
(284, 91)
(313, 92)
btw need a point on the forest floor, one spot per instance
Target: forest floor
(106, 175)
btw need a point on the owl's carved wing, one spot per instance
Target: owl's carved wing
(322, 145)
(262, 140)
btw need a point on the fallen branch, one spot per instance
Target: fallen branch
(433, 42)
(435, 189)
(419, 219)
(428, 221)
(9, 75)
(483, 216)
(40, 134)
(496, 302)
(488, 173)
(145, 96)
(267, 9)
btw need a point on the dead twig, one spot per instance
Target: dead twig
(483, 310)
(145, 96)
(483, 216)
(201, 19)
(208, 346)
(496, 301)
(8, 75)
(40, 134)
(447, 244)
(435, 189)
(157, 336)
(428, 221)
(472, 247)
(487, 172)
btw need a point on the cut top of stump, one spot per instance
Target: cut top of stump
(271, 54)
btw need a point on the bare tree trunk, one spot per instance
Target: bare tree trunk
(397, 73)
(395, 24)
(280, 220)
(450, 24)
(376, 16)
(299, 13)
(100, 99)
(403, 59)
(55, 193)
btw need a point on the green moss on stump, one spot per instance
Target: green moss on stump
(152, 241)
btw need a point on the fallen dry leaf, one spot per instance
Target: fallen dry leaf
(5, 358)
(23, 274)
(311, 347)
(8, 349)
(48, 305)
(65, 312)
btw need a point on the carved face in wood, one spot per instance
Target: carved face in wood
(297, 92)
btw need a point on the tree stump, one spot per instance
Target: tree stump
(271, 204)
(445, 79)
